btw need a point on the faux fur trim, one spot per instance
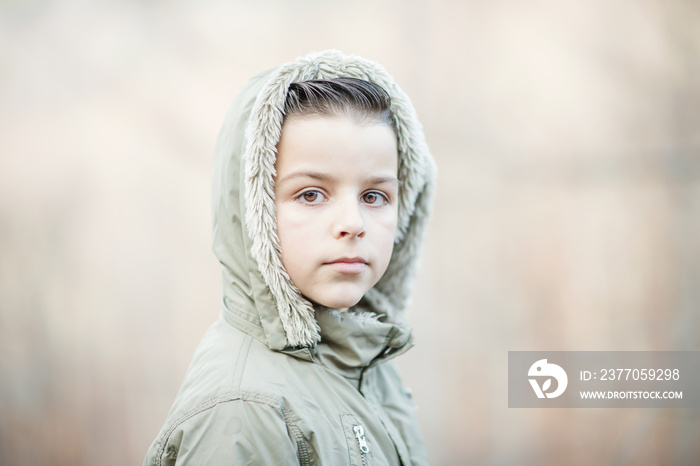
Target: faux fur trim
(416, 172)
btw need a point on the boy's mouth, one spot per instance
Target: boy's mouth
(349, 265)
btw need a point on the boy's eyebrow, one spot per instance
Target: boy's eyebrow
(330, 178)
(307, 174)
(385, 179)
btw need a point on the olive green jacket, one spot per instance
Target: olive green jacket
(275, 380)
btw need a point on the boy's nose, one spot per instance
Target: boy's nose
(349, 221)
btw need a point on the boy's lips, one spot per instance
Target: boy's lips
(349, 265)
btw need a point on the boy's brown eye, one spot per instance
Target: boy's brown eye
(310, 196)
(374, 199)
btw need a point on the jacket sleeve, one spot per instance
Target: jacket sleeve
(231, 432)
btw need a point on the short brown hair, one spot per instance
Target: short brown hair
(339, 96)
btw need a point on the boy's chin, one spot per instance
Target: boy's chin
(335, 303)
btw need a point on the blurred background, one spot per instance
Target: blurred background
(567, 217)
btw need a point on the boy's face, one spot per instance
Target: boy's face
(336, 194)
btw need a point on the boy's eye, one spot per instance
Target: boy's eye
(311, 197)
(374, 198)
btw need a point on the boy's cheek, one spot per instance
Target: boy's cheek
(291, 221)
(294, 230)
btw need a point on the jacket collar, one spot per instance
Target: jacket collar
(351, 342)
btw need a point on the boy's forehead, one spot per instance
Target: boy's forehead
(330, 146)
(333, 120)
(318, 128)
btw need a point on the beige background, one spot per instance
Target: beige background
(567, 135)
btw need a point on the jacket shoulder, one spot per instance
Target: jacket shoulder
(229, 360)
(223, 411)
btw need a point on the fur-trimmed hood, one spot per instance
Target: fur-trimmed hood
(259, 296)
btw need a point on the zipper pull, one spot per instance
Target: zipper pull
(361, 441)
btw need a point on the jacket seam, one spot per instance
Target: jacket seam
(241, 361)
(290, 420)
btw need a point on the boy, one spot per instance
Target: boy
(321, 193)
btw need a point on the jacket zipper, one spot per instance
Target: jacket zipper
(361, 441)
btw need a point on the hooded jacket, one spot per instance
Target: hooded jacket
(277, 380)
